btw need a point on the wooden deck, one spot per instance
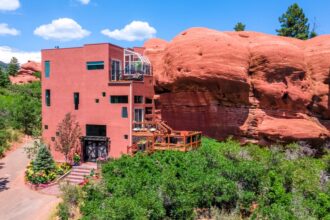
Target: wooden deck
(157, 136)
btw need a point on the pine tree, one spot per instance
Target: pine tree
(44, 160)
(239, 26)
(4, 78)
(13, 67)
(294, 23)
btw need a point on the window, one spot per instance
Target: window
(103, 94)
(148, 100)
(148, 110)
(47, 68)
(47, 96)
(124, 113)
(138, 99)
(95, 65)
(76, 100)
(125, 136)
(46, 127)
(138, 115)
(119, 99)
(96, 130)
(97, 100)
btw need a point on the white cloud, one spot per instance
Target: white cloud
(84, 2)
(6, 53)
(136, 30)
(6, 30)
(9, 5)
(62, 29)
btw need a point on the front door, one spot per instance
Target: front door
(95, 143)
(95, 148)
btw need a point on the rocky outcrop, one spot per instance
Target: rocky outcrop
(26, 73)
(254, 86)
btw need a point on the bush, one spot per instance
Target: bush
(71, 198)
(43, 169)
(245, 181)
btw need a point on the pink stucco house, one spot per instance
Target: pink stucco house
(110, 91)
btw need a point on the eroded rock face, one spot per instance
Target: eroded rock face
(26, 73)
(254, 86)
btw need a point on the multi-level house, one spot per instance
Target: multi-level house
(110, 92)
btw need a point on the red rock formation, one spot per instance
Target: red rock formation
(26, 73)
(251, 85)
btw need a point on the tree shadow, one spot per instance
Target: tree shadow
(3, 183)
(2, 165)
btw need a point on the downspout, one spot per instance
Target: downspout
(131, 113)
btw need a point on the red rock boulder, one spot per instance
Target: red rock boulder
(254, 86)
(26, 73)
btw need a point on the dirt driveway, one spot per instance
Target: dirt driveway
(17, 201)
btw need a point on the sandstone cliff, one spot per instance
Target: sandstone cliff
(26, 73)
(254, 86)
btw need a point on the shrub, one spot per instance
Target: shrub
(216, 179)
(71, 198)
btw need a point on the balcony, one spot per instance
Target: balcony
(158, 136)
(135, 67)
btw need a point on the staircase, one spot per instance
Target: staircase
(78, 173)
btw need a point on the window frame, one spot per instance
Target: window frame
(113, 99)
(48, 97)
(97, 65)
(47, 68)
(140, 99)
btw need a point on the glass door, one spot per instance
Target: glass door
(115, 70)
(138, 116)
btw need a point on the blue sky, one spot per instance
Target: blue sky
(31, 25)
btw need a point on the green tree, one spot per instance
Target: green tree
(13, 67)
(4, 78)
(239, 27)
(294, 23)
(44, 160)
(27, 116)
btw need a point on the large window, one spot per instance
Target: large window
(47, 97)
(138, 99)
(76, 100)
(95, 65)
(96, 130)
(118, 99)
(47, 69)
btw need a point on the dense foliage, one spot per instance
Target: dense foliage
(250, 181)
(43, 168)
(20, 112)
(294, 23)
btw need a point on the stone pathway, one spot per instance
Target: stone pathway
(17, 201)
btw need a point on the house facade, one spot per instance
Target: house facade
(109, 90)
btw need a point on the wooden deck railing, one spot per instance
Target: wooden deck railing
(157, 137)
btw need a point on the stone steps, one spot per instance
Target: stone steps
(78, 173)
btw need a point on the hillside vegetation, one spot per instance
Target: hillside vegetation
(217, 180)
(20, 112)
